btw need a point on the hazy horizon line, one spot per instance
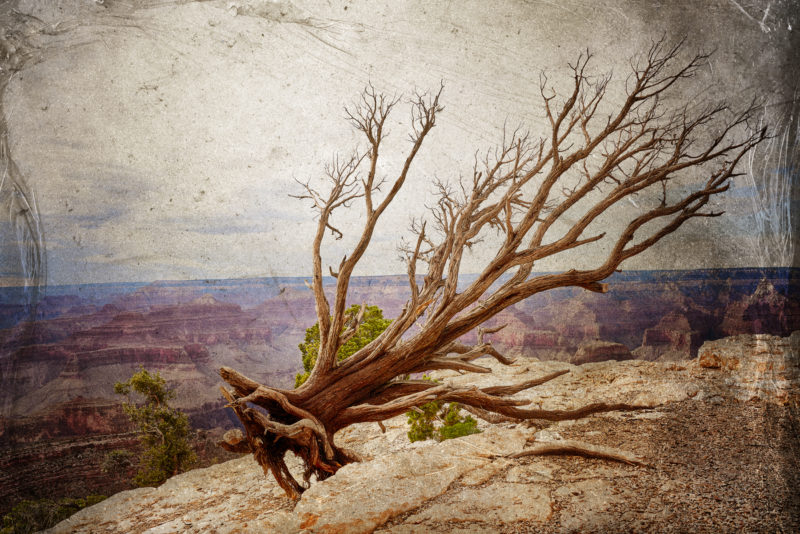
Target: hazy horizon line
(331, 278)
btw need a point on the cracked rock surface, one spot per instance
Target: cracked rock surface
(717, 463)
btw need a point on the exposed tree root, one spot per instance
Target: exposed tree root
(489, 417)
(289, 427)
(269, 440)
(577, 448)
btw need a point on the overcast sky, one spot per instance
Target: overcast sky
(164, 143)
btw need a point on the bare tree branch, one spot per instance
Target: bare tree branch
(529, 199)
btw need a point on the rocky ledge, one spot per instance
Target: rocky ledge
(720, 443)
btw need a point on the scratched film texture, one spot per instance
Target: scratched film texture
(153, 145)
(162, 141)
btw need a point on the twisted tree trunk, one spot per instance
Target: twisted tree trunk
(520, 193)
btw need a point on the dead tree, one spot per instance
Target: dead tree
(591, 159)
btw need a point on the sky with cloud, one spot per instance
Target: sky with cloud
(165, 143)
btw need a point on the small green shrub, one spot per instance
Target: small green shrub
(164, 431)
(456, 425)
(372, 325)
(32, 516)
(451, 423)
(421, 421)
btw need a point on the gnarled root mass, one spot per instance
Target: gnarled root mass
(284, 426)
(269, 440)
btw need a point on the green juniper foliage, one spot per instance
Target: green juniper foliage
(164, 430)
(371, 327)
(32, 516)
(436, 421)
(422, 420)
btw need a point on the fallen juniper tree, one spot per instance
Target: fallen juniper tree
(596, 153)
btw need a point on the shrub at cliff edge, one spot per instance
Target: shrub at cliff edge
(164, 430)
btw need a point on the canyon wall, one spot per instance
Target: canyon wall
(58, 373)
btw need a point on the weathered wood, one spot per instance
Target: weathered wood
(565, 415)
(522, 386)
(489, 417)
(570, 447)
(587, 163)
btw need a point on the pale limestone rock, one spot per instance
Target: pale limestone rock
(398, 477)
(368, 441)
(548, 434)
(360, 498)
(502, 502)
(536, 471)
(219, 498)
(758, 366)
(363, 496)
(605, 471)
(283, 521)
(478, 476)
